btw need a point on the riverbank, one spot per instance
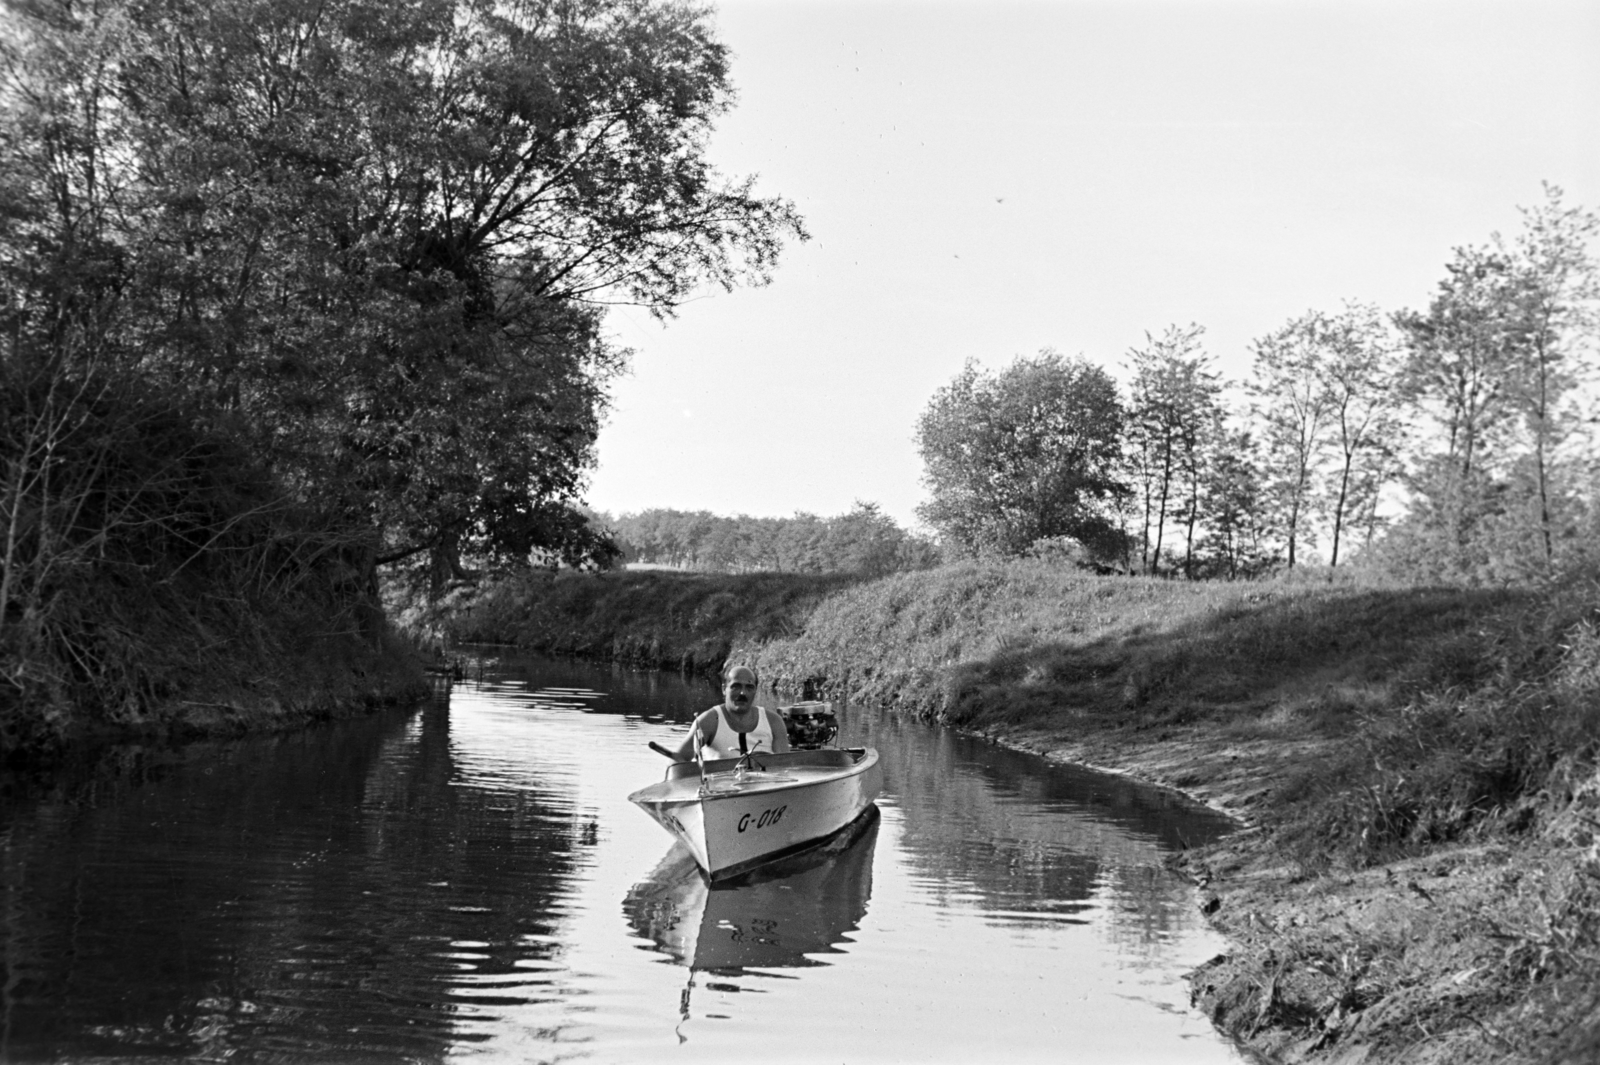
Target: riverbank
(1416, 765)
(138, 658)
(652, 619)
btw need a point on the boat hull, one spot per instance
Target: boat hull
(734, 821)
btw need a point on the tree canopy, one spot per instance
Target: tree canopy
(1452, 443)
(1028, 454)
(376, 240)
(863, 540)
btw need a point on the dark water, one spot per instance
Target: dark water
(469, 881)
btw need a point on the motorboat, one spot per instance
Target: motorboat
(736, 814)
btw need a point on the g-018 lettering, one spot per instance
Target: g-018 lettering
(762, 819)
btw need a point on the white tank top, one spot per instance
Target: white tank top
(725, 744)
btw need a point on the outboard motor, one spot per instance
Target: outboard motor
(810, 724)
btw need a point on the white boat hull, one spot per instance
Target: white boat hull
(733, 821)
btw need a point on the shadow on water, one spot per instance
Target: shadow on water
(326, 893)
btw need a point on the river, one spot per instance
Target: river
(468, 881)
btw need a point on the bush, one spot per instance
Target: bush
(151, 563)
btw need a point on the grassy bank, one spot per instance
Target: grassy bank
(1421, 877)
(655, 619)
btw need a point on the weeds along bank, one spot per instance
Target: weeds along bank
(1421, 878)
(655, 619)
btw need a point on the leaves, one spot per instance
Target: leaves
(1023, 455)
(378, 239)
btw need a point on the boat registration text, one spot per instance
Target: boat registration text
(763, 819)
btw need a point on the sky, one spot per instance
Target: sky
(983, 180)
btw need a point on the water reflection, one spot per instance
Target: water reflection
(331, 892)
(781, 916)
(470, 878)
(995, 829)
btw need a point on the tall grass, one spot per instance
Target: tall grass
(984, 644)
(1504, 737)
(1440, 713)
(655, 619)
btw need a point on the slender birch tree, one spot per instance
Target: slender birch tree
(1173, 401)
(1357, 370)
(1559, 301)
(1290, 406)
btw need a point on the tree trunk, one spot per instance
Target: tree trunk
(1541, 432)
(1338, 507)
(1161, 514)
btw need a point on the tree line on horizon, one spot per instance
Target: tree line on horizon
(862, 540)
(1452, 443)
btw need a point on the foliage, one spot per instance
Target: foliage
(1233, 512)
(1450, 445)
(864, 540)
(1358, 378)
(1022, 455)
(147, 558)
(1495, 367)
(380, 242)
(1291, 406)
(1173, 413)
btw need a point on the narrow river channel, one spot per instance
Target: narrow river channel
(468, 881)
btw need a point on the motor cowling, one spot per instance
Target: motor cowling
(810, 724)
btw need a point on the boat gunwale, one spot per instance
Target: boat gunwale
(838, 773)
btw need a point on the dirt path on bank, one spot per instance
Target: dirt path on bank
(1470, 954)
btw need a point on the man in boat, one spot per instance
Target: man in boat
(738, 726)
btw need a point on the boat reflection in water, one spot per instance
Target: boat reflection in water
(779, 916)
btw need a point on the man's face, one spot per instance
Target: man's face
(739, 691)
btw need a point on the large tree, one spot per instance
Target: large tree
(377, 239)
(1023, 455)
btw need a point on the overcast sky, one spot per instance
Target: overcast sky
(983, 180)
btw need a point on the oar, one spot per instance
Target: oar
(656, 747)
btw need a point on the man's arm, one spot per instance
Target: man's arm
(706, 727)
(780, 731)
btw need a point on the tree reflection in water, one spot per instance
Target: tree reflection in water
(471, 879)
(1034, 844)
(328, 893)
